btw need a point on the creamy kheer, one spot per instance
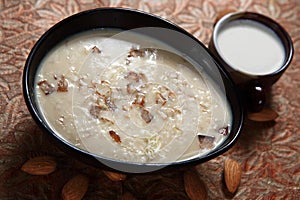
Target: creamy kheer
(130, 97)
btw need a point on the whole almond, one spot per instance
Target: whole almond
(40, 165)
(128, 196)
(232, 174)
(265, 115)
(75, 188)
(114, 176)
(194, 186)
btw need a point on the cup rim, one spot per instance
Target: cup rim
(269, 23)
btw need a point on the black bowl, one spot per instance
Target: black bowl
(127, 19)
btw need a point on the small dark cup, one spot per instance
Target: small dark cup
(253, 87)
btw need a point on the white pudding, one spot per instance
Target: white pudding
(130, 97)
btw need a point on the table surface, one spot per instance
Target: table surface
(267, 152)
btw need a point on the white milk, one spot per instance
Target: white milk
(250, 47)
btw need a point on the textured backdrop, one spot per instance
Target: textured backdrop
(268, 153)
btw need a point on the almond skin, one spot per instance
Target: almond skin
(128, 196)
(75, 188)
(41, 165)
(194, 186)
(114, 176)
(265, 115)
(232, 174)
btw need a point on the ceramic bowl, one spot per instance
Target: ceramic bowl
(127, 19)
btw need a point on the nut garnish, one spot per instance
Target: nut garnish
(194, 186)
(41, 165)
(232, 174)
(62, 84)
(75, 188)
(46, 87)
(146, 115)
(103, 119)
(128, 196)
(160, 99)
(136, 53)
(134, 77)
(224, 130)
(265, 115)
(115, 136)
(114, 176)
(95, 50)
(206, 142)
(139, 99)
(95, 111)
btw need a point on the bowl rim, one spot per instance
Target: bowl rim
(29, 97)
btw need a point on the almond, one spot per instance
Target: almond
(75, 188)
(232, 174)
(128, 196)
(114, 176)
(41, 165)
(194, 186)
(265, 115)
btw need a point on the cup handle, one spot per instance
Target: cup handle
(256, 97)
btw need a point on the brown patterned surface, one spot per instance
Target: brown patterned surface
(269, 153)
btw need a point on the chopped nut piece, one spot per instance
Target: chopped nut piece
(101, 103)
(125, 108)
(110, 103)
(177, 131)
(172, 95)
(143, 77)
(146, 116)
(61, 120)
(95, 111)
(103, 89)
(224, 130)
(106, 120)
(46, 87)
(140, 52)
(95, 50)
(130, 89)
(104, 82)
(139, 99)
(127, 61)
(160, 99)
(206, 142)
(104, 100)
(177, 111)
(62, 84)
(136, 53)
(166, 93)
(115, 136)
(132, 76)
